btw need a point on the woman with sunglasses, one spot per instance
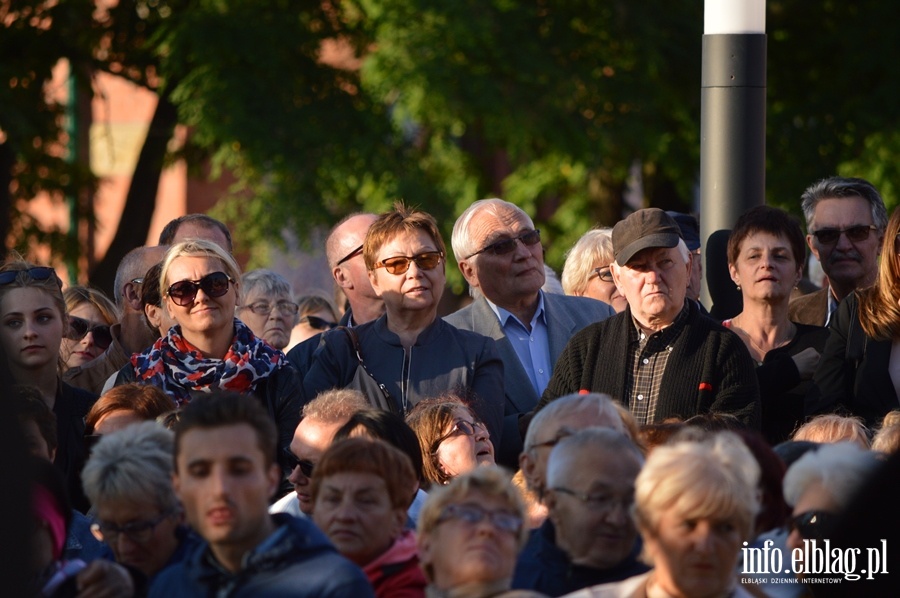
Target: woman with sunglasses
(452, 439)
(409, 353)
(32, 323)
(765, 256)
(268, 307)
(317, 314)
(209, 348)
(88, 335)
(860, 367)
(586, 271)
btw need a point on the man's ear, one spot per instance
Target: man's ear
(469, 272)
(613, 270)
(131, 296)
(274, 478)
(810, 241)
(341, 278)
(527, 465)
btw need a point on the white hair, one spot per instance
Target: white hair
(840, 468)
(602, 403)
(461, 240)
(592, 440)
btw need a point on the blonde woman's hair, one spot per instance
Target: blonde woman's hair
(699, 476)
(593, 246)
(830, 428)
(198, 248)
(879, 312)
(82, 295)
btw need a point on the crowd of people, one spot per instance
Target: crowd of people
(213, 432)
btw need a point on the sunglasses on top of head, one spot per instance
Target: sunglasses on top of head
(35, 273)
(505, 246)
(428, 260)
(184, 292)
(79, 328)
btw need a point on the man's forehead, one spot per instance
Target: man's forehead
(839, 211)
(496, 221)
(231, 442)
(651, 253)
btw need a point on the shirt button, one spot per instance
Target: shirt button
(541, 371)
(640, 397)
(669, 349)
(646, 361)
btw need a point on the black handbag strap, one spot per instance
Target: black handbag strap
(354, 341)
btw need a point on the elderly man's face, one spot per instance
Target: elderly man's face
(815, 498)
(589, 504)
(654, 282)
(846, 262)
(534, 461)
(511, 279)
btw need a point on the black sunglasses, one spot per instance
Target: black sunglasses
(306, 467)
(505, 246)
(813, 525)
(830, 236)
(184, 292)
(35, 273)
(350, 255)
(318, 323)
(400, 264)
(79, 328)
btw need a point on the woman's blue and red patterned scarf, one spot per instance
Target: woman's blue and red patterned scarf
(179, 368)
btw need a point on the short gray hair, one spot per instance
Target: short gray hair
(269, 283)
(840, 468)
(837, 187)
(461, 240)
(332, 406)
(593, 246)
(602, 403)
(130, 267)
(134, 464)
(593, 440)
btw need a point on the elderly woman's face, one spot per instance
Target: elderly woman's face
(469, 545)
(418, 288)
(204, 314)
(766, 269)
(815, 500)
(139, 533)
(271, 318)
(354, 510)
(600, 286)
(694, 556)
(466, 444)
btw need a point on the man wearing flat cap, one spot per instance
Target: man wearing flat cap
(678, 362)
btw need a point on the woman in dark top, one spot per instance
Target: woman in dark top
(860, 367)
(32, 325)
(765, 252)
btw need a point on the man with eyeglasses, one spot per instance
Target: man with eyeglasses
(343, 249)
(590, 478)
(225, 472)
(499, 252)
(131, 334)
(845, 222)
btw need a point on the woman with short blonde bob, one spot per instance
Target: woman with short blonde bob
(695, 504)
(209, 349)
(470, 532)
(831, 428)
(586, 271)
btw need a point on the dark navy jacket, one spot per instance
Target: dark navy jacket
(296, 560)
(543, 566)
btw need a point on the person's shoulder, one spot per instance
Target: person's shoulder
(172, 581)
(464, 317)
(627, 588)
(78, 398)
(579, 306)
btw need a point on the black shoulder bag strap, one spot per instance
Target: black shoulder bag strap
(376, 392)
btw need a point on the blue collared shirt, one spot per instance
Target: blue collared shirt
(532, 347)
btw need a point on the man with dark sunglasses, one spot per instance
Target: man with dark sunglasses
(131, 334)
(500, 254)
(845, 222)
(343, 249)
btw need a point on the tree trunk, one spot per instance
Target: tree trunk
(141, 200)
(7, 162)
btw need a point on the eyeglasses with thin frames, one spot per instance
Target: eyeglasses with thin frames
(604, 274)
(213, 285)
(350, 255)
(473, 515)
(400, 264)
(264, 308)
(505, 246)
(463, 427)
(136, 531)
(597, 502)
(855, 234)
